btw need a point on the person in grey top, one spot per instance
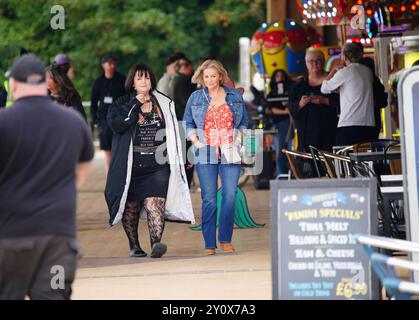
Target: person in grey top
(165, 82)
(354, 84)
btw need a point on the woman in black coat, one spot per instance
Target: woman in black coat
(315, 113)
(146, 176)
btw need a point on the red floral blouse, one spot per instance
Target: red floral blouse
(219, 125)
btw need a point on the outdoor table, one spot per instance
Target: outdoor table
(375, 156)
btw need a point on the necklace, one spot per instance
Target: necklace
(150, 106)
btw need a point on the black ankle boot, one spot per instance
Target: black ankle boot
(137, 253)
(158, 250)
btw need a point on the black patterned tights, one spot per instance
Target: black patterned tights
(155, 218)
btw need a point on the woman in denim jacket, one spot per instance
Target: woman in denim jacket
(215, 118)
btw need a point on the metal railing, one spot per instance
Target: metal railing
(385, 265)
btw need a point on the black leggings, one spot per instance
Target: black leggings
(155, 218)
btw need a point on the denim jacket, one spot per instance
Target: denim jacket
(197, 107)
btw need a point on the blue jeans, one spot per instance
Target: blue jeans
(279, 142)
(208, 175)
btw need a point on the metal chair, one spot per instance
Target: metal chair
(395, 165)
(339, 163)
(344, 168)
(320, 163)
(291, 156)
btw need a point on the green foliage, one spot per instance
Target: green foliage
(144, 31)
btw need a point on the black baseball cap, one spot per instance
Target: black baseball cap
(109, 57)
(175, 57)
(28, 68)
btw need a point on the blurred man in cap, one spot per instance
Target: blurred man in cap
(165, 83)
(45, 151)
(106, 89)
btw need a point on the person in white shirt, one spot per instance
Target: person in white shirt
(354, 84)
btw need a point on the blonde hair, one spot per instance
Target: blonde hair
(198, 77)
(317, 52)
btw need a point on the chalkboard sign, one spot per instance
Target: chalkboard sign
(314, 254)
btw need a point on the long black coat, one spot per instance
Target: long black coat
(122, 118)
(123, 126)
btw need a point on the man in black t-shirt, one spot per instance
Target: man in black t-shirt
(45, 151)
(106, 89)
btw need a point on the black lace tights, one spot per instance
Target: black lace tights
(155, 219)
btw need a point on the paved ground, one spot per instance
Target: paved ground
(106, 271)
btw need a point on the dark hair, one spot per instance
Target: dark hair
(108, 57)
(273, 85)
(352, 52)
(64, 67)
(141, 68)
(416, 63)
(175, 57)
(66, 89)
(24, 51)
(368, 62)
(183, 62)
(360, 45)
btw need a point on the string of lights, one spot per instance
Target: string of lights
(334, 12)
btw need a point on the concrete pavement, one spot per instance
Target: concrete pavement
(106, 271)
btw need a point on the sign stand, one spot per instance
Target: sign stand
(314, 252)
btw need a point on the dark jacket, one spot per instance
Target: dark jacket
(117, 116)
(102, 87)
(316, 124)
(182, 88)
(122, 118)
(72, 101)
